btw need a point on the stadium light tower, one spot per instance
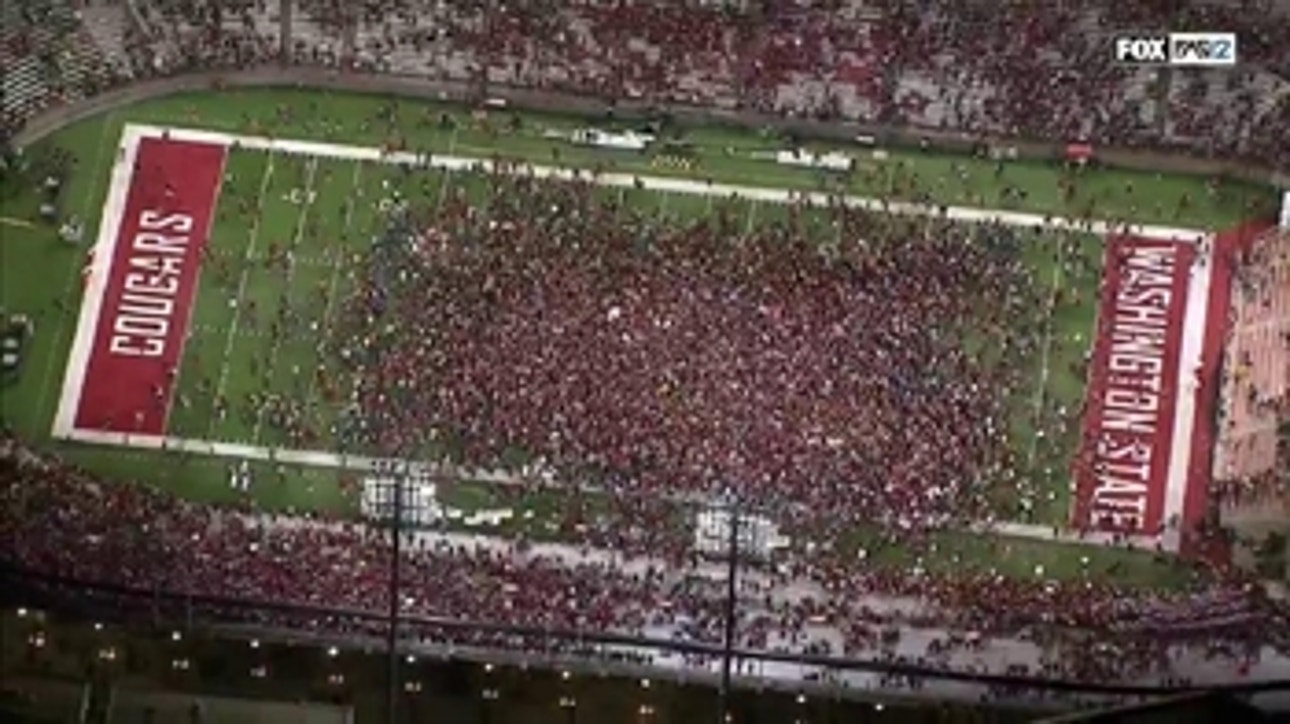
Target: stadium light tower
(392, 641)
(730, 503)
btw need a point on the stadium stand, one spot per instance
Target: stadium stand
(1253, 455)
(1253, 452)
(923, 64)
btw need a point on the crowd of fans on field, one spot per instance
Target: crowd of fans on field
(684, 358)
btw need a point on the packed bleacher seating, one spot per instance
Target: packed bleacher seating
(1030, 71)
(1253, 454)
(49, 56)
(63, 521)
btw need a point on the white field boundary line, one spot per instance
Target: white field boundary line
(1195, 325)
(1045, 368)
(104, 250)
(365, 463)
(662, 184)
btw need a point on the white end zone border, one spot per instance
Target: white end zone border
(1195, 318)
(1188, 389)
(95, 283)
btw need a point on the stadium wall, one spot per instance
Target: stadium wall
(1175, 161)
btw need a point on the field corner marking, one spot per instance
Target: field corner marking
(95, 287)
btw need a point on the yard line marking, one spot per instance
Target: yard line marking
(337, 263)
(92, 297)
(239, 300)
(20, 223)
(175, 388)
(447, 172)
(1045, 363)
(306, 203)
(662, 184)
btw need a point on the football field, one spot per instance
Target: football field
(210, 303)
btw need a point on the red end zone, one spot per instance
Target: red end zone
(149, 288)
(1122, 471)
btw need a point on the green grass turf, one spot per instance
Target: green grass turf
(43, 282)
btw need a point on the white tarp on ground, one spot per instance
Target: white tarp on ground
(626, 141)
(832, 160)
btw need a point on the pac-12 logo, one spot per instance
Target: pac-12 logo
(1180, 49)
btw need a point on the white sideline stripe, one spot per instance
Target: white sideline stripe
(674, 185)
(363, 463)
(1188, 392)
(313, 458)
(104, 250)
